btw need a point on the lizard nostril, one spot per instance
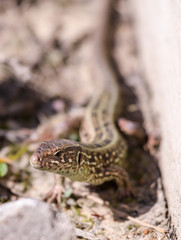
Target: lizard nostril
(34, 160)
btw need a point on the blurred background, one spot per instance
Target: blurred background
(45, 85)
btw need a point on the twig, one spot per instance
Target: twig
(5, 160)
(158, 229)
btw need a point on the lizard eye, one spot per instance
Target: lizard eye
(58, 153)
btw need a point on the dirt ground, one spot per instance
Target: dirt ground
(45, 84)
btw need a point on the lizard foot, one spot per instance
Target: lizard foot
(55, 192)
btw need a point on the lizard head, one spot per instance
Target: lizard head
(58, 156)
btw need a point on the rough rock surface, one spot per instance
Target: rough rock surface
(31, 219)
(159, 39)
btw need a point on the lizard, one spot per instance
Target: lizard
(101, 154)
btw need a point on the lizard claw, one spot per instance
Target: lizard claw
(54, 194)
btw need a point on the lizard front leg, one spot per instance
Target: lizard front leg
(119, 175)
